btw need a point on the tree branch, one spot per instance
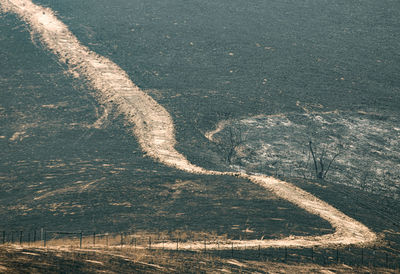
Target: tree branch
(315, 161)
(333, 159)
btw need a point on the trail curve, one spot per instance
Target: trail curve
(154, 128)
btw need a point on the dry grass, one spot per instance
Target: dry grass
(15, 259)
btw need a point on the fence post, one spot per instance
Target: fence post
(34, 236)
(94, 238)
(259, 251)
(41, 234)
(29, 238)
(374, 253)
(80, 239)
(312, 254)
(387, 259)
(232, 249)
(122, 239)
(362, 256)
(285, 254)
(20, 238)
(337, 254)
(44, 239)
(177, 243)
(107, 239)
(149, 242)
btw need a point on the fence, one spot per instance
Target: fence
(379, 256)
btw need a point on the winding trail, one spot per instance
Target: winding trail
(154, 129)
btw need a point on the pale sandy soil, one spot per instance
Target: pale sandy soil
(154, 128)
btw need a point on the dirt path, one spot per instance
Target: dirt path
(220, 126)
(154, 128)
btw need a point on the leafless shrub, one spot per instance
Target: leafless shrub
(321, 162)
(229, 142)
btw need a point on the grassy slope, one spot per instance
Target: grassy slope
(33, 260)
(61, 173)
(101, 152)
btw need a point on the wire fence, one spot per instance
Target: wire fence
(378, 256)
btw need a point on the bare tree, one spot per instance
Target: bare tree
(321, 163)
(229, 141)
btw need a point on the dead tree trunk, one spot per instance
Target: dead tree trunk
(320, 163)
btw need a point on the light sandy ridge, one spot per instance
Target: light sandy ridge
(154, 129)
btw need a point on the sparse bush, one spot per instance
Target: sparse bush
(321, 163)
(229, 142)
